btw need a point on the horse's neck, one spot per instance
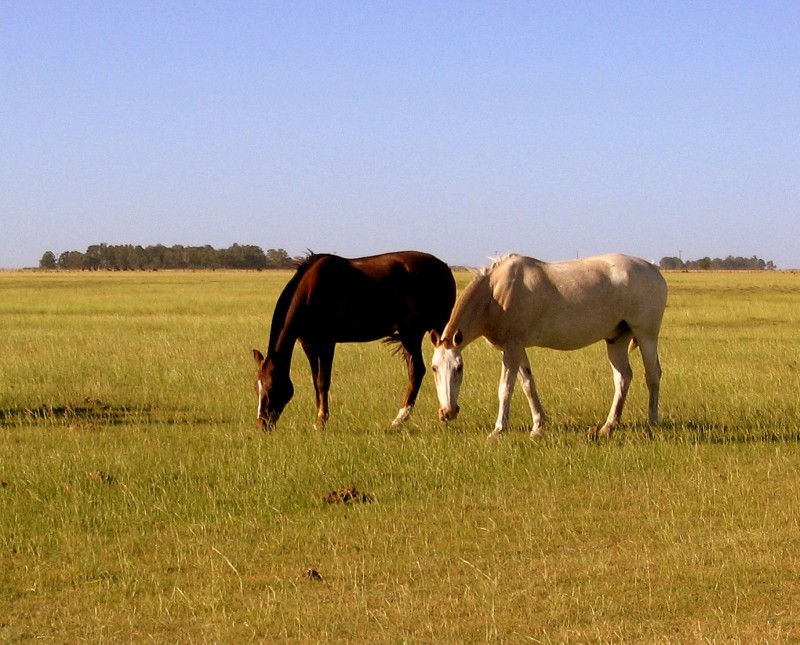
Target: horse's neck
(281, 353)
(283, 330)
(469, 314)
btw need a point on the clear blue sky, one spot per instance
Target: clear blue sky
(465, 129)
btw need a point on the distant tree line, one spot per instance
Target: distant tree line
(730, 263)
(127, 257)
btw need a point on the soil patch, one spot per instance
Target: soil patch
(348, 495)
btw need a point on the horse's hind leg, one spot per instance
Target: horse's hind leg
(412, 353)
(623, 374)
(652, 371)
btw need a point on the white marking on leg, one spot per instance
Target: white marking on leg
(529, 387)
(402, 416)
(508, 376)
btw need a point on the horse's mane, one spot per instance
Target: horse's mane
(474, 297)
(301, 265)
(495, 261)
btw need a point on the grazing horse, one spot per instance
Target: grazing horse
(521, 302)
(396, 296)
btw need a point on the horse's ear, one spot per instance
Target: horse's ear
(457, 338)
(435, 338)
(258, 356)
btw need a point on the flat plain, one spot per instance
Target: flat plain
(139, 503)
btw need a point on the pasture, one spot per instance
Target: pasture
(139, 503)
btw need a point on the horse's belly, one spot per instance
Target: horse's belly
(359, 332)
(565, 344)
(365, 337)
(570, 339)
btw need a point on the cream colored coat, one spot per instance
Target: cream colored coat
(521, 302)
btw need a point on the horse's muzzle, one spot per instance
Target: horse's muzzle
(448, 414)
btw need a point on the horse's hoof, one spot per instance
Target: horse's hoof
(494, 435)
(536, 435)
(597, 433)
(402, 416)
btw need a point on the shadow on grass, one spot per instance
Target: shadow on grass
(91, 412)
(671, 430)
(88, 410)
(720, 433)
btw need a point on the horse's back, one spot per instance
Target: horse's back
(566, 305)
(603, 275)
(372, 296)
(415, 263)
(640, 281)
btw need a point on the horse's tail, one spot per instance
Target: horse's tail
(394, 339)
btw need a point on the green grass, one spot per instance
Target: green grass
(138, 502)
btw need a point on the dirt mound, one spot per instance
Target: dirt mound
(312, 574)
(348, 495)
(102, 477)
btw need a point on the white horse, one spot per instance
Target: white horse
(521, 302)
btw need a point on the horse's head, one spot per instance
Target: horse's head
(274, 392)
(448, 368)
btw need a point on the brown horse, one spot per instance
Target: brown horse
(396, 296)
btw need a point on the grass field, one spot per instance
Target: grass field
(138, 502)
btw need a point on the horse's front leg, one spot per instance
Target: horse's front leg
(320, 358)
(508, 375)
(412, 352)
(529, 387)
(652, 372)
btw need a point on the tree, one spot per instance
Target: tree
(730, 263)
(671, 264)
(71, 261)
(96, 257)
(118, 257)
(278, 259)
(48, 261)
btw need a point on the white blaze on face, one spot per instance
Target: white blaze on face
(260, 386)
(448, 368)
